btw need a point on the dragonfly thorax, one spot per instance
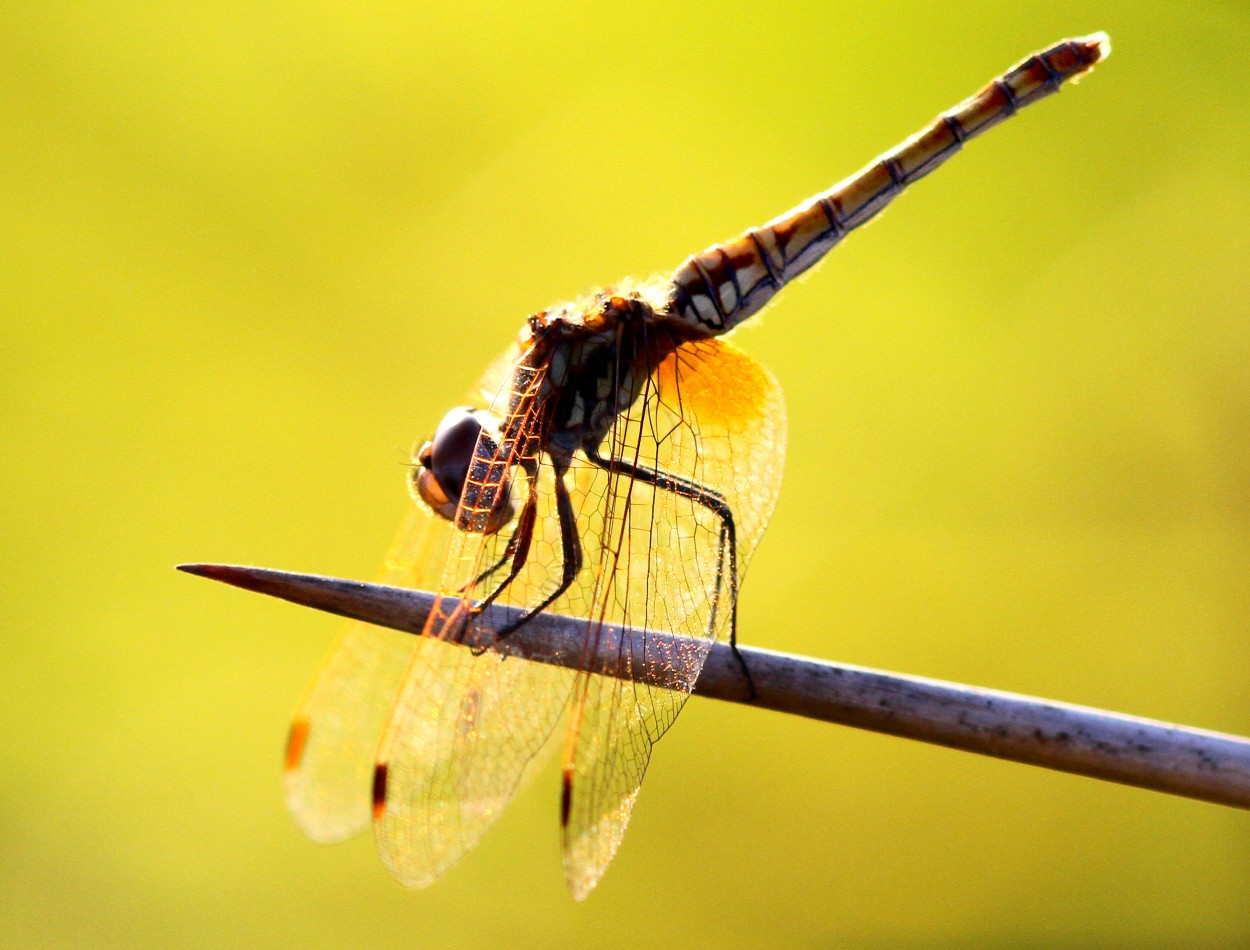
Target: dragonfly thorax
(596, 357)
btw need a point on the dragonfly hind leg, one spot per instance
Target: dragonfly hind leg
(727, 544)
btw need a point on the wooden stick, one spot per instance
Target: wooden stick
(1210, 766)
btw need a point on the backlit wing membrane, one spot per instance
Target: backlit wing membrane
(335, 732)
(465, 734)
(459, 733)
(467, 730)
(715, 418)
(334, 737)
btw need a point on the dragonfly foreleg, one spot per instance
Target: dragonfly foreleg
(571, 551)
(509, 552)
(518, 547)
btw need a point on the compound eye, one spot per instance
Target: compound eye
(445, 460)
(450, 453)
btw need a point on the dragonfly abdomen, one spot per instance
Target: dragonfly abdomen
(719, 288)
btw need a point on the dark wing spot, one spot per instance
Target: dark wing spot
(566, 798)
(379, 790)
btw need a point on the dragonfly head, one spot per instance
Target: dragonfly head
(466, 438)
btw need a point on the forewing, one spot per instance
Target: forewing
(715, 418)
(468, 728)
(464, 736)
(336, 730)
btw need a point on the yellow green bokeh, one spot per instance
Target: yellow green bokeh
(253, 251)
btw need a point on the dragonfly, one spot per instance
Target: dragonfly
(619, 466)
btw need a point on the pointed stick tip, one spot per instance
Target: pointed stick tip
(232, 574)
(403, 610)
(215, 571)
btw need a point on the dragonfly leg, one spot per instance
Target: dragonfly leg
(570, 544)
(518, 548)
(509, 552)
(727, 544)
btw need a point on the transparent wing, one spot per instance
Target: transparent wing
(467, 729)
(339, 722)
(658, 558)
(466, 734)
(461, 732)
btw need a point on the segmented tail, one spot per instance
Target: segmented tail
(722, 286)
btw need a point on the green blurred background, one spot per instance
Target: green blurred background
(253, 251)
